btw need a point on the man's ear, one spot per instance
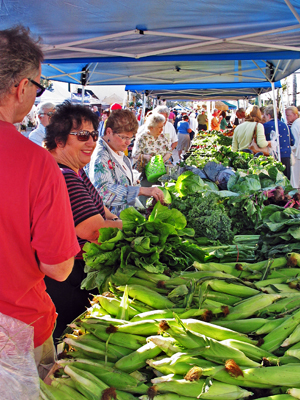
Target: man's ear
(21, 89)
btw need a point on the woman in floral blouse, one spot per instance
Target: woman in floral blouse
(110, 170)
(152, 141)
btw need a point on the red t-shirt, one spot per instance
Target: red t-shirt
(36, 223)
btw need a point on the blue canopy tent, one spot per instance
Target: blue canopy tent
(175, 41)
(215, 91)
(94, 42)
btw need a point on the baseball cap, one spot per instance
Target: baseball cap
(115, 106)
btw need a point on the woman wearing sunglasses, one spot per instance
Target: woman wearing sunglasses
(71, 138)
(110, 170)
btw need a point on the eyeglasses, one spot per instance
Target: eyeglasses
(125, 138)
(83, 136)
(40, 89)
(50, 113)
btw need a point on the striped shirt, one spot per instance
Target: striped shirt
(85, 200)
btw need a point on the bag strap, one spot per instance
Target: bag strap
(255, 132)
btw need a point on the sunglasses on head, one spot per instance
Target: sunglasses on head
(83, 136)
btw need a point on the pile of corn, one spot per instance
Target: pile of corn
(149, 339)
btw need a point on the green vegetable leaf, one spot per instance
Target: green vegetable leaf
(131, 219)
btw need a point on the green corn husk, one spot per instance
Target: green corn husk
(112, 306)
(219, 352)
(242, 325)
(151, 277)
(89, 343)
(271, 281)
(167, 344)
(282, 305)
(148, 296)
(280, 287)
(228, 299)
(284, 272)
(293, 338)
(212, 331)
(253, 352)
(143, 328)
(48, 392)
(294, 259)
(110, 376)
(285, 359)
(251, 306)
(121, 395)
(121, 339)
(232, 288)
(217, 390)
(186, 277)
(162, 314)
(69, 391)
(287, 375)
(86, 383)
(273, 340)
(179, 364)
(212, 266)
(270, 325)
(137, 359)
(220, 374)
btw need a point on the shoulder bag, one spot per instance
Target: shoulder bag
(254, 146)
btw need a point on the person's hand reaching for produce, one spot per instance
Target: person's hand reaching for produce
(147, 157)
(152, 191)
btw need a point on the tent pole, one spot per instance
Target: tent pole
(82, 94)
(276, 120)
(259, 100)
(282, 106)
(144, 108)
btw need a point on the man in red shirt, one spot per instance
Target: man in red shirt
(37, 233)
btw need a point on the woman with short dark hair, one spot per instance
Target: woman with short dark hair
(71, 138)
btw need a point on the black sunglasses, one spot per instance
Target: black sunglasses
(40, 89)
(50, 113)
(83, 136)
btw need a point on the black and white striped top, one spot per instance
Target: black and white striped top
(85, 200)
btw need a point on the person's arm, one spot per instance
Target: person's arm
(109, 214)
(234, 146)
(174, 145)
(60, 271)
(152, 191)
(260, 137)
(89, 228)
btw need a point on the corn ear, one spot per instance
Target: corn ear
(137, 359)
(293, 338)
(212, 331)
(270, 325)
(162, 314)
(67, 389)
(253, 352)
(110, 376)
(217, 390)
(232, 288)
(48, 392)
(251, 306)
(228, 299)
(284, 304)
(112, 306)
(167, 344)
(277, 397)
(91, 344)
(179, 363)
(242, 325)
(121, 339)
(86, 383)
(148, 296)
(143, 328)
(274, 339)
